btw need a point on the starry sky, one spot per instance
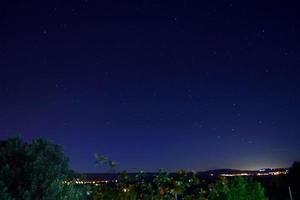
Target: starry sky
(154, 84)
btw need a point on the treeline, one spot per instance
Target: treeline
(39, 171)
(183, 185)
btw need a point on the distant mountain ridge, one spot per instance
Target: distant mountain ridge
(201, 174)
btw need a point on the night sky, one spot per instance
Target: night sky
(154, 84)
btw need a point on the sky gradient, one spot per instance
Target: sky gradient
(151, 84)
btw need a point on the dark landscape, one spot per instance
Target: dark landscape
(149, 100)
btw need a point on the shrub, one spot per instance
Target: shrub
(238, 188)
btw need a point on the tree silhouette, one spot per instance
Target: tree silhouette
(103, 160)
(35, 171)
(294, 179)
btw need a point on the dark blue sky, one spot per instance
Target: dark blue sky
(174, 84)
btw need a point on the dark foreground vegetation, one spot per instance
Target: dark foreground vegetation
(39, 171)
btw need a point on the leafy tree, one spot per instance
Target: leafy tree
(14, 172)
(103, 160)
(48, 165)
(163, 184)
(35, 171)
(237, 188)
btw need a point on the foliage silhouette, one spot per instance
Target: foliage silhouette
(294, 179)
(35, 171)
